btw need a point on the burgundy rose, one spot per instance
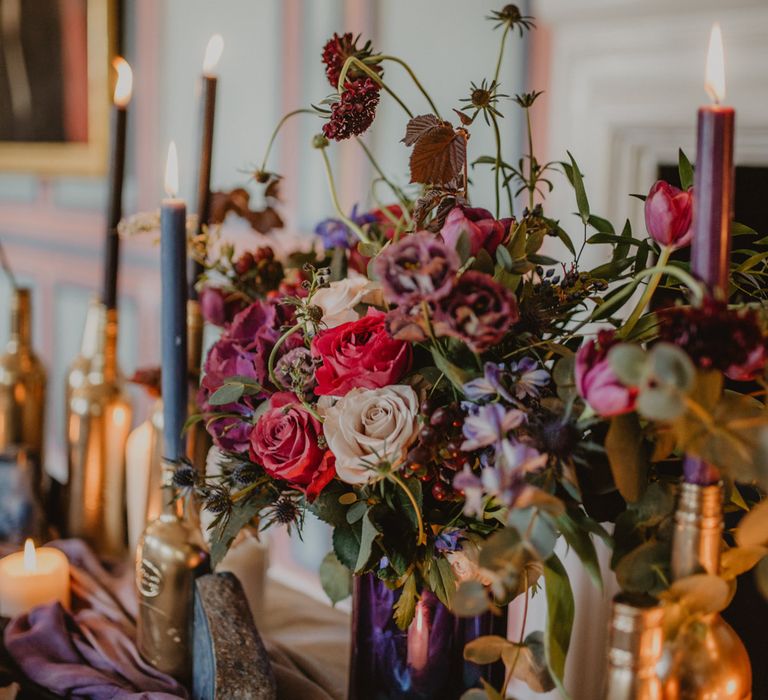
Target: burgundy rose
(285, 441)
(359, 354)
(418, 268)
(596, 381)
(669, 214)
(483, 231)
(322, 477)
(478, 311)
(217, 307)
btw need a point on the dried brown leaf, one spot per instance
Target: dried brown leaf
(438, 156)
(418, 126)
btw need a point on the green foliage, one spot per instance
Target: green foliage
(335, 578)
(405, 607)
(628, 455)
(560, 615)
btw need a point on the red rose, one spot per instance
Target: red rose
(284, 441)
(323, 476)
(359, 354)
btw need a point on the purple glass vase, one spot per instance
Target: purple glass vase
(425, 662)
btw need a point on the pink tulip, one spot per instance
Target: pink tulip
(596, 382)
(669, 214)
(482, 229)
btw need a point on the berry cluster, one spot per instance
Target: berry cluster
(260, 270)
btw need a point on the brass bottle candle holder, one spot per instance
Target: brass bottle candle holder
(168, 560)
(198, 440)
(22, 391)
(709, 661)
(635, 645)
(98, 422)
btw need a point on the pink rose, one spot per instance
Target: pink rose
(359, 354)
(285, 441)
(669, 214)
(595, 380)
(482, 229)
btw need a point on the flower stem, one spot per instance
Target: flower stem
(511, 669)
(531, 175)
(373, 75)
(6, 265)
(650, 288)
(273, 354)
(497, 182)
(335, 199)
(395, 189)
(277, 130)
(415, 81)
(422, 539)
(501, 55)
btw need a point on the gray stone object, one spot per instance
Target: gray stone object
(229, 658)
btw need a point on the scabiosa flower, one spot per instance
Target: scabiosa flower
(515, 381)
(296, 371)
(355, 110)
(418, 268)
(479, 311)
(716, 337)
(489, 425)
(336, 52)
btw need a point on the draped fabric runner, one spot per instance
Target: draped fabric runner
(90, 651)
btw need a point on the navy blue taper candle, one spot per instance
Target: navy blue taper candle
(173, 312)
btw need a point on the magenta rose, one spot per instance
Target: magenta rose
(285, 441)
(479, 311)
(483, 231)
(597, 383)
(669, 214)
(359, 354)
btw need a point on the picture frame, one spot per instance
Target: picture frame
(57, 105)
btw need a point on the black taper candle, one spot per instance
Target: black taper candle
(208, 111)
(173, 317)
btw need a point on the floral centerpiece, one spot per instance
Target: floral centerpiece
(453, 400)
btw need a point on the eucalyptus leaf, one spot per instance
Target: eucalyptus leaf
(335, 578)
(487, 649)
(368, 535)
(629, 363)
(639, 571)
(699, 593)
(628, 455)
(471, 599)
(531, 664)
(738, 560)
(226, 393)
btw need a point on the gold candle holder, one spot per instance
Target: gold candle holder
(98, 422)
(709, 661)
(22, 390)
(168, 560)
(635, 645)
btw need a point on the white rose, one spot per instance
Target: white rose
(338, 301)
(368, 426)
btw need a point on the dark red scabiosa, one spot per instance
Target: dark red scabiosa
(478, 311)
(355, 110)
(336, 52)
(716, 337)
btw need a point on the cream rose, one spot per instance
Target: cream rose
(368, 426)
(338, 301)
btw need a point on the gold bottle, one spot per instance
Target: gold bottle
(168, 560)
(709, 661)
(98, 422)
(22, 390)
(635, 645)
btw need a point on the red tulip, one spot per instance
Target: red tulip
(669, 214)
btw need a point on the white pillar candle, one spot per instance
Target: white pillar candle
(31, 578)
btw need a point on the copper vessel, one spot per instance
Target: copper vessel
(709, 661)
(168, 560)
(635, 646)
(98, 422)
(22, 391)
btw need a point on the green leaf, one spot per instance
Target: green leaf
(503, 257)
(471, 599)
(628, 362)
(563, 375)
(738, 560)
(579, 541)
(442, 581)
(685, 169)
(614, 301)
(487, 649)
(531, 663)
(638, 571)
(738, 229)
(335, 578)
(464, 246)
(226, 393)
(699, 593)
(560, 614)
(670, 365)
(356, 511)
(516, 246)
(536, 528)
(458, 377)
(405, 607)
(581, 195)
(223, 535)
(368, 535)
(566, 240)
(628, 456)
(600, 224)
(622, 249)
(346, 544)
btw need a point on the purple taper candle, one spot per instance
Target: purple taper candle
(207, 113)
(173, 311)
(713, 205)
(122, 97)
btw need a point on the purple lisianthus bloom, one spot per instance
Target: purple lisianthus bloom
(336, 234)
(489, 425)
(479, 311)
(511, 382)
(448, 540)
(471, 486)
(417, 268)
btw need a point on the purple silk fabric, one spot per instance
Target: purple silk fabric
(89, 652)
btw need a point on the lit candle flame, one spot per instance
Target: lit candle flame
(714, 81)
(30, 556)
(172, 171)
(124, 85)
(213, 54)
